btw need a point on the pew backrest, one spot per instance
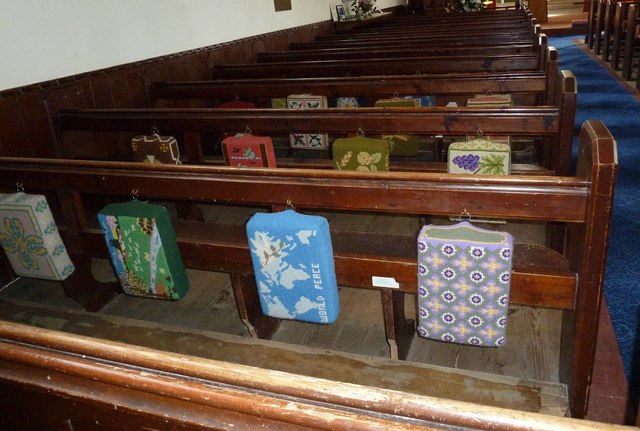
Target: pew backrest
(383, 66)
(442, 86)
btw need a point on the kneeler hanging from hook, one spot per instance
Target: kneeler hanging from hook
(464, 276)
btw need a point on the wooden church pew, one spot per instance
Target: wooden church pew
(638, 78)
(426, 40)
(599, 26)
(546, 121)
(609, 13)
(526, 89)
(552, 123)
(523, 86)
(214, 394)
(591, 23)
(330, 56)
(572, 282)
(423, 63)
(490, 30)
(440, 49)
(498, 20)
(490, 25)
(418, 60)
(631, 40)
(158, 185)
(609, 28)
(517, 29)
(619, 33)
(415, 46)
(388, 66)
(432, 84)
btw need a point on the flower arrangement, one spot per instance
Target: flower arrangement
(362, 8)
(467, 5)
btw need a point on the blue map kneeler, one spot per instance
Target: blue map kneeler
(293, 264)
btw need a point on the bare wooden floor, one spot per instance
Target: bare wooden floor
(531, 351)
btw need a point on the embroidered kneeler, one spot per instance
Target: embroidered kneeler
(463, 284)
(350, 102)
(479, 156)
(360, 153)
(248, 151)
(155, 149)
(293, 264)
(308, 141)
(143, 249)
(401, 145)
(30, 237)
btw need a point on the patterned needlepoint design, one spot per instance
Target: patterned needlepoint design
(479, 156)
(293, 264)
(143, 250)
(309, 141)
(360, 153)
(30, 238)
(463, 284)
(248, 151)
(155, 149)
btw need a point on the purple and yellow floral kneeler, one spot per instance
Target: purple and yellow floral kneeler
(463, 284)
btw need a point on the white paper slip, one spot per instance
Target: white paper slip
(388, 282)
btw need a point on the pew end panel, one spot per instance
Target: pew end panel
(599, 163)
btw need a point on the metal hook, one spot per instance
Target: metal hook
(19, 187)
(464, 216)
(247, 130)
(155, 131)
(134, 193)
(289, 205)
(479, 134)
(360, 132)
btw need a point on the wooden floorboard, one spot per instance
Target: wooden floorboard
(358, 329)
(406, 376)
(530, 355)
(531, 350)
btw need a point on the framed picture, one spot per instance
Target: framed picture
(342, 15)
(334, 12)
(281, 5)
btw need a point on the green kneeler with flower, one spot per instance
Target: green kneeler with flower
(361, 154)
